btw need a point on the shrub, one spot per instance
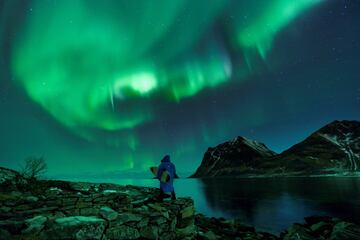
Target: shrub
(33, 168)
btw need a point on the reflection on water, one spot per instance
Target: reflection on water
(270, 204)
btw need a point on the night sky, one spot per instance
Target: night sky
(112, 86)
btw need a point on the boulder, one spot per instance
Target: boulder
(108, 213)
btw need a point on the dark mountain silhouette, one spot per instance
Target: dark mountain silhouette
(333, 149)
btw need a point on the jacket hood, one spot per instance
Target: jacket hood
(166, 159)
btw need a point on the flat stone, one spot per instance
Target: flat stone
(78, 220)
(128, 217)
(108, 213)
(156, 207)
(31, 199)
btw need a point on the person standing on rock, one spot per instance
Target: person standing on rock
(166, 174)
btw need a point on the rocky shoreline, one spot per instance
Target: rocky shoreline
(50, 209)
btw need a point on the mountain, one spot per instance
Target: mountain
(333, 149)
(240, 155)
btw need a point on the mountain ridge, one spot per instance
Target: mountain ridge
(332, 149)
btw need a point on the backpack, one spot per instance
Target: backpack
(165, 176)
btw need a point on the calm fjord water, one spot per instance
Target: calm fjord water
(270, 204)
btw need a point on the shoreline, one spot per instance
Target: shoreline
(58, 209)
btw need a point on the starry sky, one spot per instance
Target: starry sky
(111, 86)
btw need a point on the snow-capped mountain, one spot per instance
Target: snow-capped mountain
(333, 149)
(236, 156)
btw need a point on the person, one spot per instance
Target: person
(167, 185)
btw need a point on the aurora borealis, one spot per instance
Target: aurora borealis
(118, 84)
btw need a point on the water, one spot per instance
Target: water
(270, 204)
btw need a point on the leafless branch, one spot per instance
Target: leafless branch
(34, 167)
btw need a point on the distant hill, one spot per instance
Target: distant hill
(333, 149)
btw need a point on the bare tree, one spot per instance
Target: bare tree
(34, 167)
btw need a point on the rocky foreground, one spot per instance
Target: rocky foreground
(71, 210)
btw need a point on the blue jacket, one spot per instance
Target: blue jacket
(170, 167)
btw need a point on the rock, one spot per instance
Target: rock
(156, 207)
(31, 199)
(123, 232)
(8, 175)
(297, 231)
(128, 217)
(321, 228)
(345, 231)
(54, 191)
(187, 212)
(83, 204)
(89, 211)
(187, 231)
(108, 213)
(160, 220)
(149, 232)
(173, 224)
(34, 225)
(39, 210)
(4, 209)
(10, 196)
(76, 227)
(144, 222)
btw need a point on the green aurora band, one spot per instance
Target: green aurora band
(101, 65)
